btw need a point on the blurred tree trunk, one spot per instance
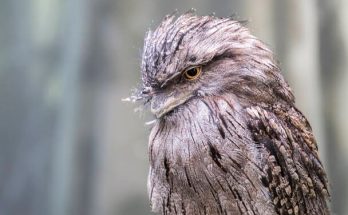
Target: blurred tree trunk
(334, 64)
(67, 194)
(44, 47)
(25, 116)
(262, 22)
(339, 112)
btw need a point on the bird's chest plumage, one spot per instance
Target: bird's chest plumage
(204, 161)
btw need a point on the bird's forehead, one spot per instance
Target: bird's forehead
(167, 50)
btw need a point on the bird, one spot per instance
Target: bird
(227, 137)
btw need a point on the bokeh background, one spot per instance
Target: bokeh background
(69, 146)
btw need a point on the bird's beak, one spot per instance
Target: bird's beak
(164, 103)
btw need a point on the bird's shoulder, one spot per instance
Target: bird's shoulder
(281, 121)
(295, 175)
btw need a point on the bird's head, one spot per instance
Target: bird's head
(192, 57)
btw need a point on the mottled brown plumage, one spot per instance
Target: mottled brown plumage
(230, 141)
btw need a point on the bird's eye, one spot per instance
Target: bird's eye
(192, 73)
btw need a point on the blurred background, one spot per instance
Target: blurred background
(69, 146)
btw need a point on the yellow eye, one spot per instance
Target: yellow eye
(193, 73)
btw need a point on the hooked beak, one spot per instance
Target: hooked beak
(164, 103)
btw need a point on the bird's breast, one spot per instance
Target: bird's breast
(202, 160)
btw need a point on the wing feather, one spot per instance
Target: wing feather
(295, 175)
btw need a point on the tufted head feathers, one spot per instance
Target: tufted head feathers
(232, 61)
